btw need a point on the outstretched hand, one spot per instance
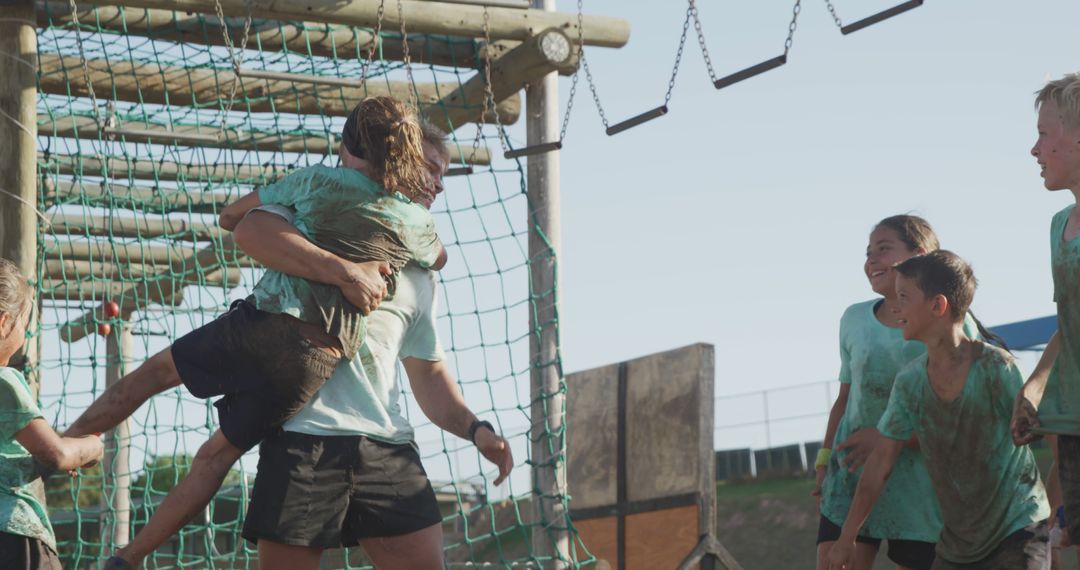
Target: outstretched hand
(1025, 419)
(840, 555)
(495, 449)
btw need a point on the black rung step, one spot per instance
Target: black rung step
(637, 120)
(883, 15)
(750, 72)
(534, 149)
(461, 171)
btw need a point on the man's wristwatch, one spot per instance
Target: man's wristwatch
(477, 424)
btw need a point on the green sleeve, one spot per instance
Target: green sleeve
(845, 356)
(17, 406)
(899, 419)
(419, 236)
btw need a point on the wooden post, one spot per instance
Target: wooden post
(550, 536)
(18, 141)
(116, 502)
(420, 17)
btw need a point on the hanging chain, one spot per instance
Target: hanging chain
(574, 79)
(233, 57)
(832, 11)
(791, 27)
(701, 41)
(413, 96)
(365, 64)
(489, 95)
(83, 62)
(678, 55)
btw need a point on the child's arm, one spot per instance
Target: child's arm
(56, 452)
(234, 212)
(440, 261)
(871, 483)
(1024, 416)
(835, 415)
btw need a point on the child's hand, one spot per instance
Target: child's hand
(1025, 418)
(94, 452)
(859, 445)
(819, 479)
(839, 555)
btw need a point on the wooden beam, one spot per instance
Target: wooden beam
(159, 200)
(307, 38)
(550, 50)
(72, 126)
(144, 82)
(419, 17)
(131, 300)
(129, 253)
(71, 291)
(143, 169)
(69, 271)
(132, 227)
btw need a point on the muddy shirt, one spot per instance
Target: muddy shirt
(988, 487)
(20, 512)
(348, 214)
(871, 354)
(1059, 411)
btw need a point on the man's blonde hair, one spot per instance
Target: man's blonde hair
(1065, 93)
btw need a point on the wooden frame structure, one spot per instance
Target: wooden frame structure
(196, 253)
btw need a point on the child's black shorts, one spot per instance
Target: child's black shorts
(334, 491)
(25, 553)
(910, 553)
(259, 362)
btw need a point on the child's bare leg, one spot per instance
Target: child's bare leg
(186, 499)
(121, 400)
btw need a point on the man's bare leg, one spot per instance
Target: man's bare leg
(277, 556)
(420, 550)
(186, 499)
(121, 400)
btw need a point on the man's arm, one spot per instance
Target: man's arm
(441, 401)
(273, 241)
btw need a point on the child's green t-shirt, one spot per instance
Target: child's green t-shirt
(20, 512)
(350, 215)
(1059, 412)
(987, 487)
(871, 354)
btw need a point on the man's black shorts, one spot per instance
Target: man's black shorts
(914, 554)
(334, 491)
(259, 362)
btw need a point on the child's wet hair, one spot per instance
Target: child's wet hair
(389, 134)
(944, 273)
(16, 296)
(915, 232)
(1065, 93)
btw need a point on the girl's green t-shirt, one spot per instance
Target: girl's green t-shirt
(20, 511)
(988, 487)
(871, 355)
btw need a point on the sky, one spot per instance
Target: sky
(741, 217)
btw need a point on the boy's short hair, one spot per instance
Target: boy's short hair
(1065, 93)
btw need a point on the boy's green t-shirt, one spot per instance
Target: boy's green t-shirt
(20, 512)
(350, 215)
(871, 355)
(1059, 412)
(988, 488)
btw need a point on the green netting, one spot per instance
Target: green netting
(127, 215)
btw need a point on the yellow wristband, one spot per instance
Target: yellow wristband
(823, 456)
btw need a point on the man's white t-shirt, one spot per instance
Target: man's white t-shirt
(363, 396)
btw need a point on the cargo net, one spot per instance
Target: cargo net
(144, 133)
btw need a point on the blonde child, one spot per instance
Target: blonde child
(956, 400)
(1050, 400)
(26, 536)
